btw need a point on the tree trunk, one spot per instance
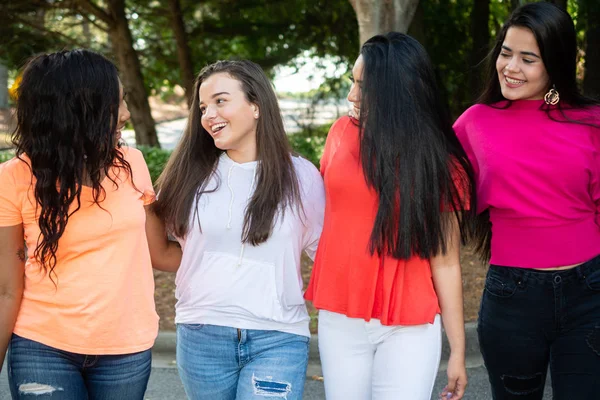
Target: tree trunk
(417, 26)
(3, 86)
(591, 79)
(382, 16)
(183, 50)
(480, 32)
(131, 74)
(87, 33)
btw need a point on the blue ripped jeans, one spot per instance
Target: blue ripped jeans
(217, 362)
(37, 371)
(533, 319)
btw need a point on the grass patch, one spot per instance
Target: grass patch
(156, 159)
(6, 155)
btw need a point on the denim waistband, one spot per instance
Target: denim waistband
(550, 276)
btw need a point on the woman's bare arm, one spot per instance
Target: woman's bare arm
(12, 267)
(165, 254)
(447, 279)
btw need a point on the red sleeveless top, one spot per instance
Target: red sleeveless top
(346, 278)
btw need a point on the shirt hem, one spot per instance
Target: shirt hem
(391, 322)
(243, 322)
(86, 350)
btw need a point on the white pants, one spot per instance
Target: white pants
(366, 360)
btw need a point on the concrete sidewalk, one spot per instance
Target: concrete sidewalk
(165, 384)
(163, 352)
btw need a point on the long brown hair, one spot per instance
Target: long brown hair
(195, 159)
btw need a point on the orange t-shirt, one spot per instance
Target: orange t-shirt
(103, 301)
(346, 278)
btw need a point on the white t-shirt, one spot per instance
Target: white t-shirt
(222, 281)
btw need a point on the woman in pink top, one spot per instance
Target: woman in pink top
(534, 142)
(77, 302)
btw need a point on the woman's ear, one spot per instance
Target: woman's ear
(256, 111)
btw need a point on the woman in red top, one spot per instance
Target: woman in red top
(398, 190)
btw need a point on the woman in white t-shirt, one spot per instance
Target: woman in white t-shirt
(243, 208)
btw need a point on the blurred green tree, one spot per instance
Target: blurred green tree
(162, 43)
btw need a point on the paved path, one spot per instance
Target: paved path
(165, 383)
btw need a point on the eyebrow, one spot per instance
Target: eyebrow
(216, 95)
(525, 53)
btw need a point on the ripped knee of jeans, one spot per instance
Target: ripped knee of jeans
(593, 340)
(37, 389)
(523, 385)
(268, 387)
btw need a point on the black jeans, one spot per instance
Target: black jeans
(530, 319)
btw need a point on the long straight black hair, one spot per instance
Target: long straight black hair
(195, 159)
(555, 35)
(409, 152)
(67, 111)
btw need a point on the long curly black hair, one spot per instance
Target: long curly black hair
(67, 116)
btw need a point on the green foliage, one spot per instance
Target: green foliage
(448, 42)
(310, 143)
(28, 27)
(268, 32)
(6, 155)
(156, 159)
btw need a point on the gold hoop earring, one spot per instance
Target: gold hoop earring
(552, 97)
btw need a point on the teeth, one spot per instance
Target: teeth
(513, 81)
(218, 127)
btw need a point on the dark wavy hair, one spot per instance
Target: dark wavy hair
(409, 152)
(555, 35)
(195, 159)
(67, 111)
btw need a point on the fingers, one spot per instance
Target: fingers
(455, 389)
(446, 394)
(459, 390)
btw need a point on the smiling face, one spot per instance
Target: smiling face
(229, 117)
(521, 71)
(355, 93)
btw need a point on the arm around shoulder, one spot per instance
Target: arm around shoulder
(165, 254)
(313, 204)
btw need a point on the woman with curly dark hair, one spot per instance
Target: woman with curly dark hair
(78, 314)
